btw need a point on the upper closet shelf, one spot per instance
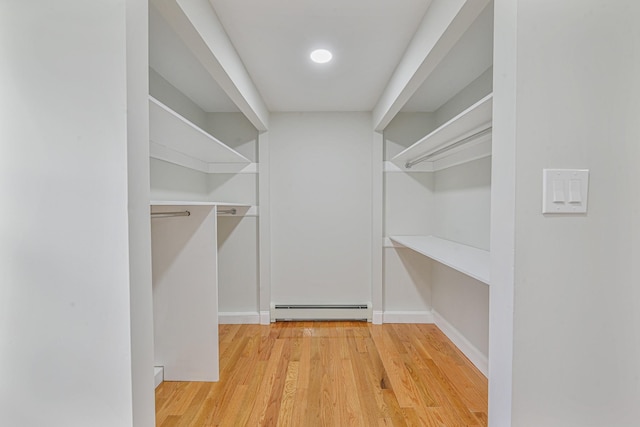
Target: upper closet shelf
(223, 208)
(176, 140)
(465, 137)
(468, 260)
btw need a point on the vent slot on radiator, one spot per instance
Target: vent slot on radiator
(292, 312)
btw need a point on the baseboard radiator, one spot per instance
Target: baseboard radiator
(293, 312)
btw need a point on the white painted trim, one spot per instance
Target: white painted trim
(265, 317)
(407, 317)
(377, 223)
(464, 345)
(377, 317)
(503, 212)
(264, 230)
(158, 375)
(238, 318)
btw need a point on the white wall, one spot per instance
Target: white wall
(405, 129)
(462, 203)
(320, 173)
(139, 223)
(407, 283)
(166, 93)
(236, 131)
(173, 182)
(238, 265)
(474, 92)
(576, 326)
(464, 303)
(236, 188)
(65, 322)
(462, 209)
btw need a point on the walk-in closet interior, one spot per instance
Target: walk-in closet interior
(329, 212)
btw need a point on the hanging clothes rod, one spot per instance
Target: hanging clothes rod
(433, 154)
(169, 214)
(231, 211)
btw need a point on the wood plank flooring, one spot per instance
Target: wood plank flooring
(331, 374)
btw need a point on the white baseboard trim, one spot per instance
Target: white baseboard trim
(158, 375)
(473, 354)
(377, 317)
(407, 317)
(238, 317)
(265, 317)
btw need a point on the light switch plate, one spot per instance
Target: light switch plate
(564, 191)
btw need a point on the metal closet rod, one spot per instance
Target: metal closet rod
(169, 214)
(447, 148)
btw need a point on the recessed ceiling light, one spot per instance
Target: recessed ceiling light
(321, 56)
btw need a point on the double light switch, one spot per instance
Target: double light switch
(565, 190)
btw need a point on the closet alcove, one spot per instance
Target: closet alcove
(437, 197)
(321, 222)
(204, 213)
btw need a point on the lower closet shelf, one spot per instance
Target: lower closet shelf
(471, 261)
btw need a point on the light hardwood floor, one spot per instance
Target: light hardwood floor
(307, 374)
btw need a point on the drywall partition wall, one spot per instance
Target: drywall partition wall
(576, 317)
(320, 201)
(141, 302)
(185, 293)
(65, 298)
(503, 196)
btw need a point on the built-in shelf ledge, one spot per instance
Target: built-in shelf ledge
(464, 138)
(224, 208)
(471, 261)
(175, 139)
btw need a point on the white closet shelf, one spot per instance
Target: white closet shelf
(240, 209)
(174, 139)
(464, 138)
(471, 261)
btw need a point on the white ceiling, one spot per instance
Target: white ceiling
(274, 37)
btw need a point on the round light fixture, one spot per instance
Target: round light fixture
(321, 56)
